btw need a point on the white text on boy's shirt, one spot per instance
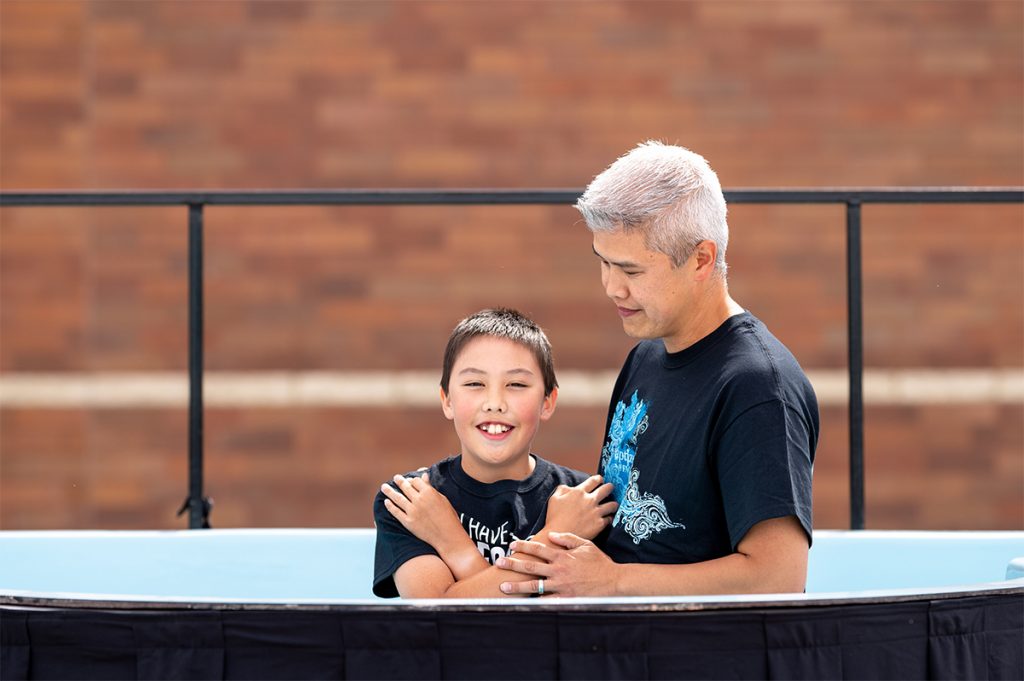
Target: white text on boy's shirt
(491, 542)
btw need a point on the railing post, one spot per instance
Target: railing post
(197, 505)
(855, 348)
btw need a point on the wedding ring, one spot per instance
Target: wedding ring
(540, 587)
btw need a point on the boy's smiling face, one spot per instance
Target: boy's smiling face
(496, 400)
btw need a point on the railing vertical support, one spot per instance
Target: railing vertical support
(855, 348)
(198, 506)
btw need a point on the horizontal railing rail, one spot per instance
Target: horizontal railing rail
(463, 197)
(198, 506)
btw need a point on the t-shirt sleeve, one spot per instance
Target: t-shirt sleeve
(394, 546)
(764, 468)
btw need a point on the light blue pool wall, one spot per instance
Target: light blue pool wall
(309, 564)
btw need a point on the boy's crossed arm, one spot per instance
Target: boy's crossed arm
(459, 570)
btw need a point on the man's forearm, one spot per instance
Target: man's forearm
(736, 573)
(771, 558)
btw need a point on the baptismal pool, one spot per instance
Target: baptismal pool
(297, 604)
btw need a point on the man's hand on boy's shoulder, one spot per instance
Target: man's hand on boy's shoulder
(584, 509)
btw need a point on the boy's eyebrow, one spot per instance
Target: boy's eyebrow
(474, 370)
(624, 263)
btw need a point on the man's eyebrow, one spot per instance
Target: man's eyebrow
(624, 263)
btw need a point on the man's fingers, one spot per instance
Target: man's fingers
(530, 586)
(608, 509)
(524, 567)
(566, 540)
(591, 483)
(532, 548)
(524, 552)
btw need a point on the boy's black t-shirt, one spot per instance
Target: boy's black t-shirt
(704, 443)
(493, 514)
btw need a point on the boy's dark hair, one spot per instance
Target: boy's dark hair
(501, 323)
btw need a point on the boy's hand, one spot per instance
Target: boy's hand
(430, 517)
(579, 509)
(421, 509)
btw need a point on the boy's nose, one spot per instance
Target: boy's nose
(494, 403)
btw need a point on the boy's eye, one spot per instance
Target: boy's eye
(516, 384)
(473, 384)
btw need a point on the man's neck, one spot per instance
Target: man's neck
(717, 307)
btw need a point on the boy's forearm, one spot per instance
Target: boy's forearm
(474, 576)
(461, 556)
(485, 581)
(485, 584)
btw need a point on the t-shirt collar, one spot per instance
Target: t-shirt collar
(489, 489)
(675, 360)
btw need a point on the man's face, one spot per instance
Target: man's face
(654, 299)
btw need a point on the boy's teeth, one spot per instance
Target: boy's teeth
(495, 429)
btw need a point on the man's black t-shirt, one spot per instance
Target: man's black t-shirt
(493, 514)
(704, 443)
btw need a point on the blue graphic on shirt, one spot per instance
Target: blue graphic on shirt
(641, 513)
(628, 423)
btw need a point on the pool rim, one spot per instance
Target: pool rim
(77, 601)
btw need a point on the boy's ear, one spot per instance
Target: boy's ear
(548, 408)
(446, 406)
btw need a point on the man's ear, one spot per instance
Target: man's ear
(446, 406)
(704, 257)
(548, 408)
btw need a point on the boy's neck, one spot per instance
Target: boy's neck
(520, 469)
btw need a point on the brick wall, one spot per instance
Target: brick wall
(97, 95)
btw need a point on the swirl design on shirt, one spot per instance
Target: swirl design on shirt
(644, 513)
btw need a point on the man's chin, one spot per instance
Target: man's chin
(632, 328)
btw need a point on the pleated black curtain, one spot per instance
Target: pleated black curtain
(978, 637)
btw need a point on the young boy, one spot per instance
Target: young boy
(439, 531)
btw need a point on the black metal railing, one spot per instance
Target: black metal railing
(198, 506)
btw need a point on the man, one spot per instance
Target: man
(712, 426)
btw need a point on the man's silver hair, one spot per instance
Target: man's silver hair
(669, 192)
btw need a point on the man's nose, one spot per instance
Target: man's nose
(614, 285)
